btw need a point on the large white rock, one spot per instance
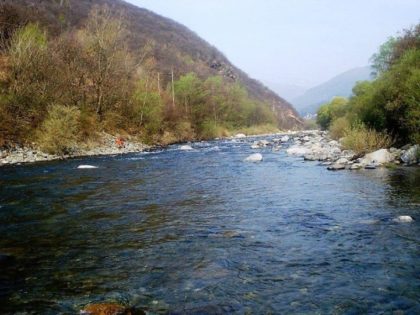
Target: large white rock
(297, 151)
(379, 157)
(240, 135)
(342, 161)
(284, 138)
(403, 219)
(185, 147)
(256, 157)
(86, 166)
(411, 155)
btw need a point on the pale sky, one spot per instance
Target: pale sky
(295, 42)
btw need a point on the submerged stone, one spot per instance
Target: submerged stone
(86, 166)
(336, 167)
(370, 167)
(404, 219)
(256, 157)
(185, 147)
(106, 309)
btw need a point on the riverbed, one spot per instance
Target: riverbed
(203, 232)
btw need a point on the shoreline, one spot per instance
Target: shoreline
(311, 145)
(107, 145)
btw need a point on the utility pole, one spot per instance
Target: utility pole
(173, 88)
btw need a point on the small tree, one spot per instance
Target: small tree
(59, 131)
(108, 61)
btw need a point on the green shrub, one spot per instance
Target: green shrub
(211, 130)
(59, 131)
(328, 112)
(363, 140)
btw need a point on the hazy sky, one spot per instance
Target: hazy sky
(298, 42)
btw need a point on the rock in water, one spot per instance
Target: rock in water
(240, 135)
(370, 167)
(336, 167)
(105, 309)
(86, 166)
(412, 155)
(378, 157)
(185, 147)
(284, 138)
(403, 219)
(356, 166)
(297, 151)
(342, 161)
(256, 157)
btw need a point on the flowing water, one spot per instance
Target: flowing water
(202, 232)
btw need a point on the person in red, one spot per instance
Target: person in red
(119, 142)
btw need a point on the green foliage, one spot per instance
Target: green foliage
(391, 102)
(389, 105)
(29, 66)
(59, 131)
(106, 88)
(381, 60)
(330, 111)
(147, 109)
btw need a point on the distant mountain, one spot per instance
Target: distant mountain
(340, 85)
(174, 45)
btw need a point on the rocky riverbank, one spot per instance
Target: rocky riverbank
(105, 145)
(317, 146)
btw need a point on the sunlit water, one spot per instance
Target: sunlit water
(202, 232)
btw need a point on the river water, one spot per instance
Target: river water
(203, 232)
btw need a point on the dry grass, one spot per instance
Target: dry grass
(363, 140)
(339, 127)
(257, 130)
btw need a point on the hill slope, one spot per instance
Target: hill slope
(174, 46)
(340, 85)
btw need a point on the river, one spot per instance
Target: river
(203, 232)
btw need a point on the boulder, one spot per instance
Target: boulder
(378, 157)
(403, 219)
(336, 167)
(342, 161)
(185, 147)
(240, 135)
(356, 166)
(264, 142)
(297, 151)
(86, 166)
(105, 309)
(412, 155)
(285, 139)
(256, 157)
(311, 157)
(370, 166)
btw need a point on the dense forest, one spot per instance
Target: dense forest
(384, 111)
(66, 75)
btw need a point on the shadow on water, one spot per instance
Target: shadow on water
(202, 232)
